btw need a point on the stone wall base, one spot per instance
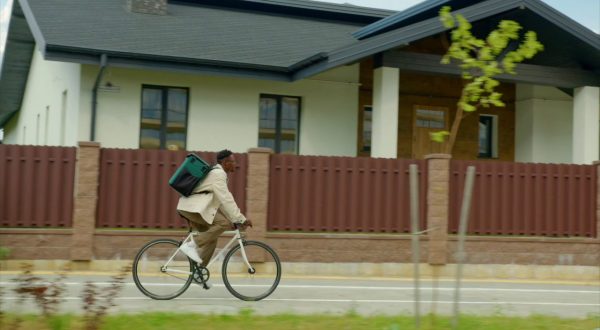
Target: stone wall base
(116, 246)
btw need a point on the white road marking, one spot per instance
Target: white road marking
(340, 287)
(358, 301)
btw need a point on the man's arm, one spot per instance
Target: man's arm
(228, 204)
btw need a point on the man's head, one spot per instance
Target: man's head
(226, 160)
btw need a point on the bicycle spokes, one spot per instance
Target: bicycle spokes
(155, 277)
(257, 281)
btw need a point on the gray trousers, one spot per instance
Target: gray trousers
(209, 233)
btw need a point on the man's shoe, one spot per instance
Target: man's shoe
(190, 250)
(206, 286)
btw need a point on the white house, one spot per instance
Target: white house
(298, 76)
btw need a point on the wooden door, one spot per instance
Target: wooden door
(428, 119)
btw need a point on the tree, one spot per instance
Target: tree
(480, 61)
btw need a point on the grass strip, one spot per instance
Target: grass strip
(248, 320)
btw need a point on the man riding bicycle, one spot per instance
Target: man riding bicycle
(211, 209)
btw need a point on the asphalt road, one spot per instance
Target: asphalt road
(366, 296)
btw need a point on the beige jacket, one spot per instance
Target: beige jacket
(218, 196)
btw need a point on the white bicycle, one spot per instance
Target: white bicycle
(251, 270)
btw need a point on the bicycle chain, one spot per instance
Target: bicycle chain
(201, 274)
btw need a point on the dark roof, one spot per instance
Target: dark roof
(567, 43)
(416, 13)
(15, 65)
(306, 8)
(430, 8)
(196, 32)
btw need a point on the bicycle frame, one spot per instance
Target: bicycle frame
(237, 236)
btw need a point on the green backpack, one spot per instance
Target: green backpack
(189, 174)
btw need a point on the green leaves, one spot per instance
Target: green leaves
(481, 60)
(526, 50)
(446, 18)
(439, 136)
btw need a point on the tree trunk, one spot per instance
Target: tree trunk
(454, 131)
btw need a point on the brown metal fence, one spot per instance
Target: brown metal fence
(342, 194)
(526, 199)
(134, 190)
(36, 186)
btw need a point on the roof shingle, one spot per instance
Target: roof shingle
(189, 32)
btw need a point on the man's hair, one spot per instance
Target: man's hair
(221, 155)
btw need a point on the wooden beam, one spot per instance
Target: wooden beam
(526, 73)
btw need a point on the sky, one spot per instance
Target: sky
(586, 12)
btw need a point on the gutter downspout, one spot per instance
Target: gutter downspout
(103, 60)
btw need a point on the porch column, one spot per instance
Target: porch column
(384, 138)
(597, 164)
(543, 125)
(586, 125)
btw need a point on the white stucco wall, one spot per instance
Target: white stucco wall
(224, 112)
(49, 110)
(544, 117)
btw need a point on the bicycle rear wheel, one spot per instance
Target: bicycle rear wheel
(153, 278)
(251, 285)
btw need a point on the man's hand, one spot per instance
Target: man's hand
(242, 226)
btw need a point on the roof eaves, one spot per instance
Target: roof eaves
(396, 18)
(33, 25)
(308, 61)
(331, 7)
(144, 61)
(16, 64)
(303, 8)
(564, 22)
(54, 50)
(528, 73)
(402, 36)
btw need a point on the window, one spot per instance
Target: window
(63, 119)
(46, 125)
(367, 128)
(428, 118)
(279, 123)
(37, 130)
(164, 118)
(487, 136)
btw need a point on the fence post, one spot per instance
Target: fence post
(257, 191)
(597, 164)
(87, 173)
(438, 189)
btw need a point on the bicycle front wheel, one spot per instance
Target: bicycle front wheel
(253, 283)
(156, 276)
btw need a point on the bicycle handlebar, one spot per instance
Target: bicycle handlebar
(240, 225)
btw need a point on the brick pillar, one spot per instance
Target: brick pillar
(597, 164)
(87, 173)
(257, 191)
(438, 188)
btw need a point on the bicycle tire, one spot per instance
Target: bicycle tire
(147, 265)
(269, 269)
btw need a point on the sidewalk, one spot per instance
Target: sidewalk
(341, 296)
(486, 272)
